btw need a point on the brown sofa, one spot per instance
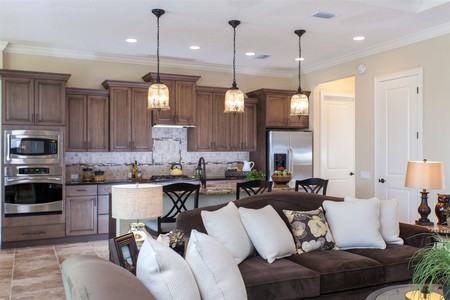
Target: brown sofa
(349, 274)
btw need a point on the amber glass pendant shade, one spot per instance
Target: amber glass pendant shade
(299, 105)
(234, 101)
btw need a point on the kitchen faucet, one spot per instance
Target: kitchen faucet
(200, 171)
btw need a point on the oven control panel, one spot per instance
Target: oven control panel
(34, 171)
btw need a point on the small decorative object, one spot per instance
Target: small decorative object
(442, 208)
(174, 239)
(425, 175)
(281, 176)
(255, 175)
(431, 265)
(124, 251)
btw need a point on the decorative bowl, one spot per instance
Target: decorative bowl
(281, 179)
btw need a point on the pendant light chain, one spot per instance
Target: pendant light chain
(234, 57)
(157, 50)
(299, 64)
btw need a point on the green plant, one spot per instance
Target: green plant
(255, 175)
(431, 264)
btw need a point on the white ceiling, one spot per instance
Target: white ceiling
(96, 29)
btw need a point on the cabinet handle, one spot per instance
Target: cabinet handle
(81, 190)
(32, 118)
(34, 232)
(132, 145)
(36, 117)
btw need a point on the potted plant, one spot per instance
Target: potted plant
(431, 264)
(255, 175)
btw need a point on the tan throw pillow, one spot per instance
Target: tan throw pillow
(310, 230)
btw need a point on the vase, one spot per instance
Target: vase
(441, 208)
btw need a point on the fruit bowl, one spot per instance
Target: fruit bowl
(279, 179)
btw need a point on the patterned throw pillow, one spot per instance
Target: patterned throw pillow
(310, 230)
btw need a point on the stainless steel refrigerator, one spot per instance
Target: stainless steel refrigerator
(292, 150)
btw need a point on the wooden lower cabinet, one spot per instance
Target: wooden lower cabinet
(81, 210)
(35, 232)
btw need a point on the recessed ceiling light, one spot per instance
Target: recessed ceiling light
(299, 58)
(359, 38)
(250, 53)
(323, 15)
(131, 40)
(194, 47)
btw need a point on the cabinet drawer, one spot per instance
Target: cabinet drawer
(103, 224)
(27, 233)
(103, 204)
(81, 190)
(104, 189)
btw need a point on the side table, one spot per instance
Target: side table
(397, 292)
(440, 229)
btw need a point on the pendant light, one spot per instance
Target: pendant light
(234, 97)
(299, 101)
(158, 92)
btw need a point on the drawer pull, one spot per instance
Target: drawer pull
(34, 232)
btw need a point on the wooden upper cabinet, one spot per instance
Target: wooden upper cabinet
(200, 137)
(182, 99)
(243, 128)
(274, 109)
(33, 98)
(130, 121)
(87, 120)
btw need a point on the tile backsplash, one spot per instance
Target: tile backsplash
(169, 146)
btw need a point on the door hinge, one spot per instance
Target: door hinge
(417, 90)
(417, 134)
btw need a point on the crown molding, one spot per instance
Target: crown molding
(3, 45)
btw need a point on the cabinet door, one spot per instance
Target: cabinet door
(276, 111)
(49, 100)
(140, 121)
(97, 129)
(167, 117)
(76, 123)
(119, 118)
(200, 137)
(185, 104)
(220, 124)
(236, 124)
(250, 130)
(81, 215)
(18, 100)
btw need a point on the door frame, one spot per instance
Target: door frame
(377, 82)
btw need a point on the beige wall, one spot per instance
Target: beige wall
(433, 56)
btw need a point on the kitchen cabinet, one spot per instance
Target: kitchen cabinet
(87, 120)
(274, 109)
(33, 98)
(103, 191)
(219, 131)
(81, 210)
(182, 99)
(129, 119)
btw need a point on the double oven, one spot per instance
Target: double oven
(33, 172)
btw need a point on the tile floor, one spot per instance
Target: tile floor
(34, 272)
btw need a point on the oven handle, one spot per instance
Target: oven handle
(32, 179)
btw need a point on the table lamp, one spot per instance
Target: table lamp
(136, 201)
(424, 175)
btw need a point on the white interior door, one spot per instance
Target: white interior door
(337, 142)
(398, 109)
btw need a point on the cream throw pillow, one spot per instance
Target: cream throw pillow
(165, 273)
(354, 224)
(226, 227)
(215, 271)
(268, 232)
(389, 224)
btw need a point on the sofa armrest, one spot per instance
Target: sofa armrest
(89, 277)
(414, 235)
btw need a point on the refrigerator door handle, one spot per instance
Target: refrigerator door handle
(290, 160)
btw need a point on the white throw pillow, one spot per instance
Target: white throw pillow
(389, 224)
(217, 275)
(165, 273)
(354, 224)
(268, 232)
(226, 227)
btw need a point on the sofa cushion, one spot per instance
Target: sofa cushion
(283, 279)
(226, 227)
(269, 234)
(215, 271)
(354, 224)
(388, 217)
(341, 270)
(310, 230)
(164, 272)
(395, 260)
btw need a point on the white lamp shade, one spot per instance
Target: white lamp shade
(234, 101)
(136, 201)
(299, 105)
(158, 97)
(425, 175)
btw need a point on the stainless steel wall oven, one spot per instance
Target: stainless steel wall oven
(33, 189)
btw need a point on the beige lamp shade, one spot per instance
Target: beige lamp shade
(425, 175)
(136, 201)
